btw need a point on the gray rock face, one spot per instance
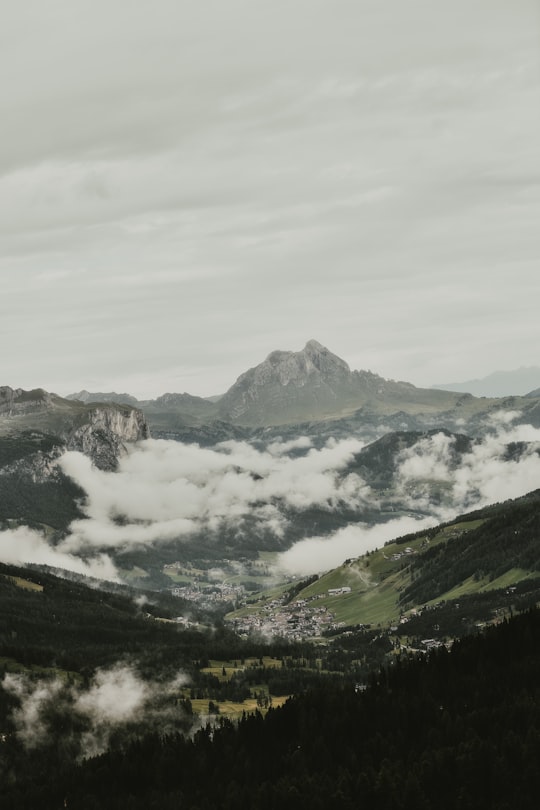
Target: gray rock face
(306, 385)
(106, 432)
(35, 429)
(287, 385)
(99, 431)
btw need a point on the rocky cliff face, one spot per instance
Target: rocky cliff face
(35, 429)
(99, 431)
(169, 412)
(287, 385)
(105, 433)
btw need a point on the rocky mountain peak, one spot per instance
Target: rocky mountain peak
(295, 368)
(288, 385)
(323, 359)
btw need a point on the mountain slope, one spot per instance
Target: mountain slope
(100, 396)
(483, 561)
(459, 729)
(36, 427)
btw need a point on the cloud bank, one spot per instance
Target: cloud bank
(505, 464)
(430, 478)
(165, 491)
(24, 545)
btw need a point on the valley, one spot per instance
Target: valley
(171, 567)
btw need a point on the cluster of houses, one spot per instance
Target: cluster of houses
(289, 622)
(400, 554)
(211, 595)
(301, 619)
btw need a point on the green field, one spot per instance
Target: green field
(26, 584)
(232, 710)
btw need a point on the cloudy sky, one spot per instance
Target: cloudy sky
(187, 185)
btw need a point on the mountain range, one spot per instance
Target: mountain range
(313, 386)
(87, 666)
(310, 395)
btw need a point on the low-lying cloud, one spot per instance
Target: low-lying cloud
(487, 473)
(117, 701)
(167, 491)
(24, 545)
(317, 554)
(431, 478)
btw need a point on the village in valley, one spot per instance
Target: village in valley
(298, 620)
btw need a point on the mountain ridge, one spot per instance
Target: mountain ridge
(524, 381)
(315, 385)
(36, 428)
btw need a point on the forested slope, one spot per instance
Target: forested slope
(457, 729)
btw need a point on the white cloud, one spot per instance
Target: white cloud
(167, 491)
(164, 490)
(23, 545)
(115, 696)
(33, 698)
(317, 554)
(427, 459)
(114, 699)
(482, 476)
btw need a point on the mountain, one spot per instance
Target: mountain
(313, 384)
(99, 431)
(173, 412)
(100, 396)
(499, 384)
(315, 391)
(36, 427)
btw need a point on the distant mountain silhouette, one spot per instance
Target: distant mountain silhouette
(499, 384)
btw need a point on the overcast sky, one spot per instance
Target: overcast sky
(187, 185)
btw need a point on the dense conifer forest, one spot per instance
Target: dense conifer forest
(458, 728)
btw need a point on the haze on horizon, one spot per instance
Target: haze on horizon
(186, 187)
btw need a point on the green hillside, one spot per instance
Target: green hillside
(486, 552)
